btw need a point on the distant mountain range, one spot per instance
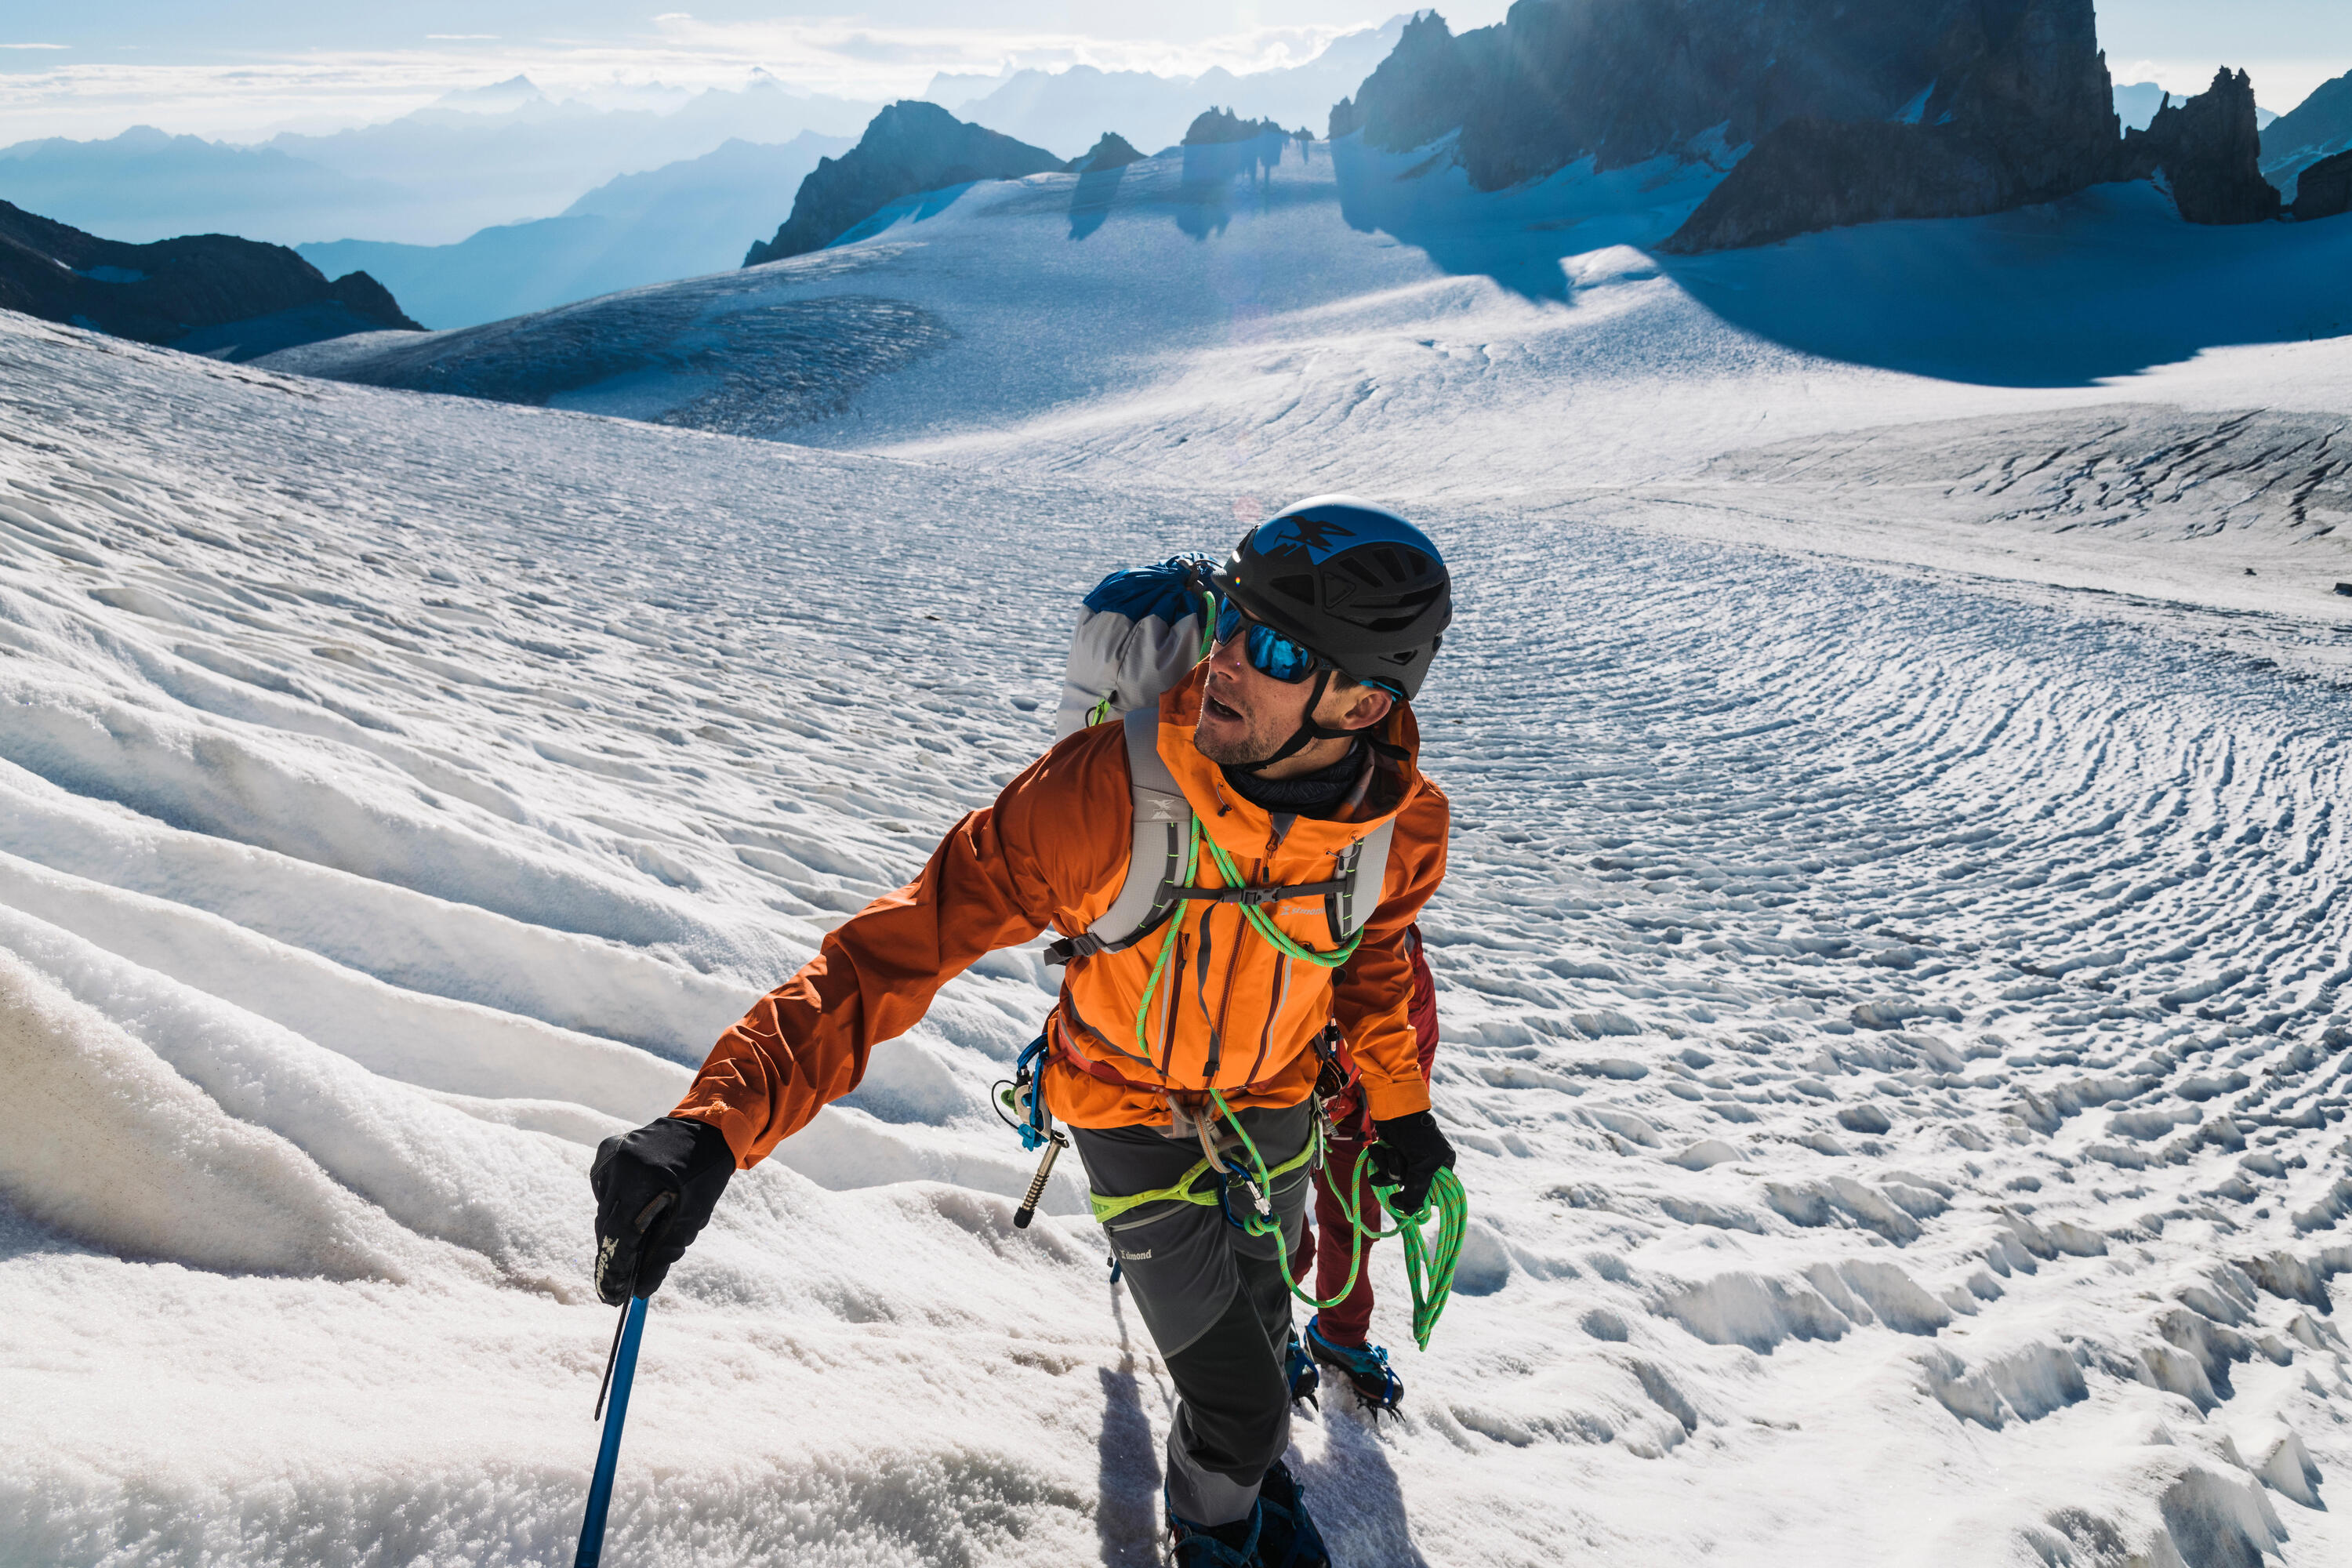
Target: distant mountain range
(1064, 112)
(2318, 127)
(681, 220)
(494, 155)
(1799, 114)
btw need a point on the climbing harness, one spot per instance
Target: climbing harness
(1429, 1265)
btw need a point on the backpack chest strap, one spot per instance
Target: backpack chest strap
(1160, 863)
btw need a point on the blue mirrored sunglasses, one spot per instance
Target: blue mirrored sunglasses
(1269, 652)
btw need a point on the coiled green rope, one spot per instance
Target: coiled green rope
(1428, 1267)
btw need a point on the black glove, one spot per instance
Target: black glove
(638, 1236)
(1410, 1153)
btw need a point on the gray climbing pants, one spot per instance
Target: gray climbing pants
(1214, 1302)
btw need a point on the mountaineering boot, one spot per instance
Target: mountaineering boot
(1366, 1368)
(1286, 1535)
(1233, 1545)
(1301, 1369)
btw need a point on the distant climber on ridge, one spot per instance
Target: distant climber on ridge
(1237, 867)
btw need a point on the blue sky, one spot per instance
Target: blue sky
(242, 67)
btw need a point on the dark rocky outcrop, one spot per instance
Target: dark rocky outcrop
(1851, 110)
(209, 293)
(1624, 81)
(2326, 188)
(1809, 174)
(2021, 110)
(1424, 90)
(2319, 127)
(2209, 150)
(908, 148)
(1221, 127)
(1112, 152)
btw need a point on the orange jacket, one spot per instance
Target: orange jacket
(1054, 849)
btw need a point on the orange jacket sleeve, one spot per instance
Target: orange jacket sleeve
(990, 884)
(1372, 994)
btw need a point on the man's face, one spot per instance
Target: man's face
(1246, 716)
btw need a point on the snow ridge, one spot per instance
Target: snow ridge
(1896, 1030)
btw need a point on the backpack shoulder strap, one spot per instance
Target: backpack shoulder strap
(1155, 860)
(1362, 871)
(1155, 885)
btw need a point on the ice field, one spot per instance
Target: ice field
(1892, 987)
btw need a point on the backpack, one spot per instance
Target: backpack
(1139, 633)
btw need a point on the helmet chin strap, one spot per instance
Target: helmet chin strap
(1307, 734)
(1309, 731)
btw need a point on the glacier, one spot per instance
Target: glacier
(1892, 966)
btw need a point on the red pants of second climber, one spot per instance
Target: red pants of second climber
(1348, 1320)
(1331, 1247)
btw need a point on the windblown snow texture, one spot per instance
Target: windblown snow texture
(1892, 961)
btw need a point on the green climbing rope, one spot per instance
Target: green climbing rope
(1167, 947)
(1263, 923)
(1428, 1268)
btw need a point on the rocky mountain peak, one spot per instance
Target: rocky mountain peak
(2019, 108)
(911, 147)
(2209, 151)
(1112, 152)
(1220, 127)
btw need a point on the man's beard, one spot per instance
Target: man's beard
(1242, 752)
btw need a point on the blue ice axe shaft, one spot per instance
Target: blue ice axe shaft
(620, 1371)
(608, 1452)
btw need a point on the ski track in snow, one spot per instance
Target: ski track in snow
(1895, 1031)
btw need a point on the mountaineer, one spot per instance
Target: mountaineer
(1235, 867)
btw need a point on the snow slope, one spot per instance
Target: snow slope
(1267, 322)
(1895, 1029)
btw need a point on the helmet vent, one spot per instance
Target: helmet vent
(1359, 584)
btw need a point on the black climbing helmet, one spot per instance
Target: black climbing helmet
(1353, 581)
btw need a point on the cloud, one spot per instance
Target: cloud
(35, 46)
(848, 58)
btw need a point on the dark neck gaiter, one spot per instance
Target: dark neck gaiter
(1318, 794)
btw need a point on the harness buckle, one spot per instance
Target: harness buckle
(1086, 944)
